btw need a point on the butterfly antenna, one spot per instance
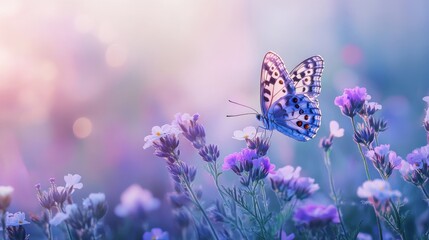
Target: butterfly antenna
(241, 114)
(245, 107)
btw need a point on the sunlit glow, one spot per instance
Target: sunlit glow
(84, 23)
(82, 127)
(116, 55)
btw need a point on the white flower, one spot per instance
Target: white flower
(159, 132)
(135, 199)
(72, 182)
(246, 133)
(335, 129)
(286, 173)
(182, 118)
(5, 196)
(94, 199)
(15, 219)
(58, 218)
(377, 189)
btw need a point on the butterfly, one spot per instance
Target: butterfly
(288, 100)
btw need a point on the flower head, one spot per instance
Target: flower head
(96, 203)
(352, 101)
(246, 133)
(155, 234)
(364, 135)
(209, 153)
(411, 174)
(136, 201)
(159, 132)
(15, 219)
(73, 181)
(316, 215)
(5, 197)
(378, 193)
(287, 183)
(192, 130)
(384, 160)
(335, 131)
(259, 144)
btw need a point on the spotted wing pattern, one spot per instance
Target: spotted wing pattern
(296, 116)
(307, 75)
(275, 81)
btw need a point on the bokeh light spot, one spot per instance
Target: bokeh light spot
(352, 54)
(116, 55)
(82, 127)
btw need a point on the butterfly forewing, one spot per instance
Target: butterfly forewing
(307, 75)
(275, 81)
(296, 116)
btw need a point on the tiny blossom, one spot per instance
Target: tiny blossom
(335, 129)
(58, 218)
(155, 234)
(316, 215)
(378, 193)
(384, 159)
(15, 219)
(136, 200)
(73, 181)
(284, 236)
(411, 174)
(246, 133)
(158, 132)
(5, 196)
(363, 236)
(419, 157)
(352, 101)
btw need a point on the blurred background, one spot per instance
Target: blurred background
(83, 82)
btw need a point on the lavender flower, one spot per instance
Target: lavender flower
(5, 197)
(384, 160)
(411, 174)
(248, 161)
(136, 201)
(426, 119)
(419, 158)
(364, 135)
(287, 183)
(316, 215)
(192, 130)
(155, 234)
(46, 199)
(260, 144)
(209, 153)
(379, 125)
(335, 131)
(352, 101)
(378, 193)
(369, 108)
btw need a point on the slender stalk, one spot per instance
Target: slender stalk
(198, 204)
(49, 225)
(333, 192)
(424, 192)
(69, 232)
(257, 210)
(264, 197)
(380, 231)
(365, 164)
(397, 218)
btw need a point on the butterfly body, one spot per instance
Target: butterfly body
(288, 101)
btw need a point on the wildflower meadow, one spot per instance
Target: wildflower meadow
(214, 120)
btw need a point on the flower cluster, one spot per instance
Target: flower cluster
(287, 183)
(384, 160)
(249, 165)
(378, 193)
(352, 101)
(316, 215)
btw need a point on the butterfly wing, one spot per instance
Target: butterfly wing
(275, 81)
(307, 75)
(296, 116)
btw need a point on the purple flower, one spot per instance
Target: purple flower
(287, 183)
(419, 158)
(352, 101)
(384, 160)
(209, 153)
(260, 144)
(379, 125)
(155, 234)
(364, 135)
(192, 130)
(284, 236)
(411, 174)
(250, 162)
(316, 215)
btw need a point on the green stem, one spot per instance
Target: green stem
(333, 192)
(197, 203)
(68, 231)
(365, 164)
(424, 192)
(264, 197)
(398, 223)
(257, 209)
(49, 225)
(380, 231)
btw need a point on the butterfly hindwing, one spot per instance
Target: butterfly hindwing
(307, 75)
(275, 81)
(296, 116)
